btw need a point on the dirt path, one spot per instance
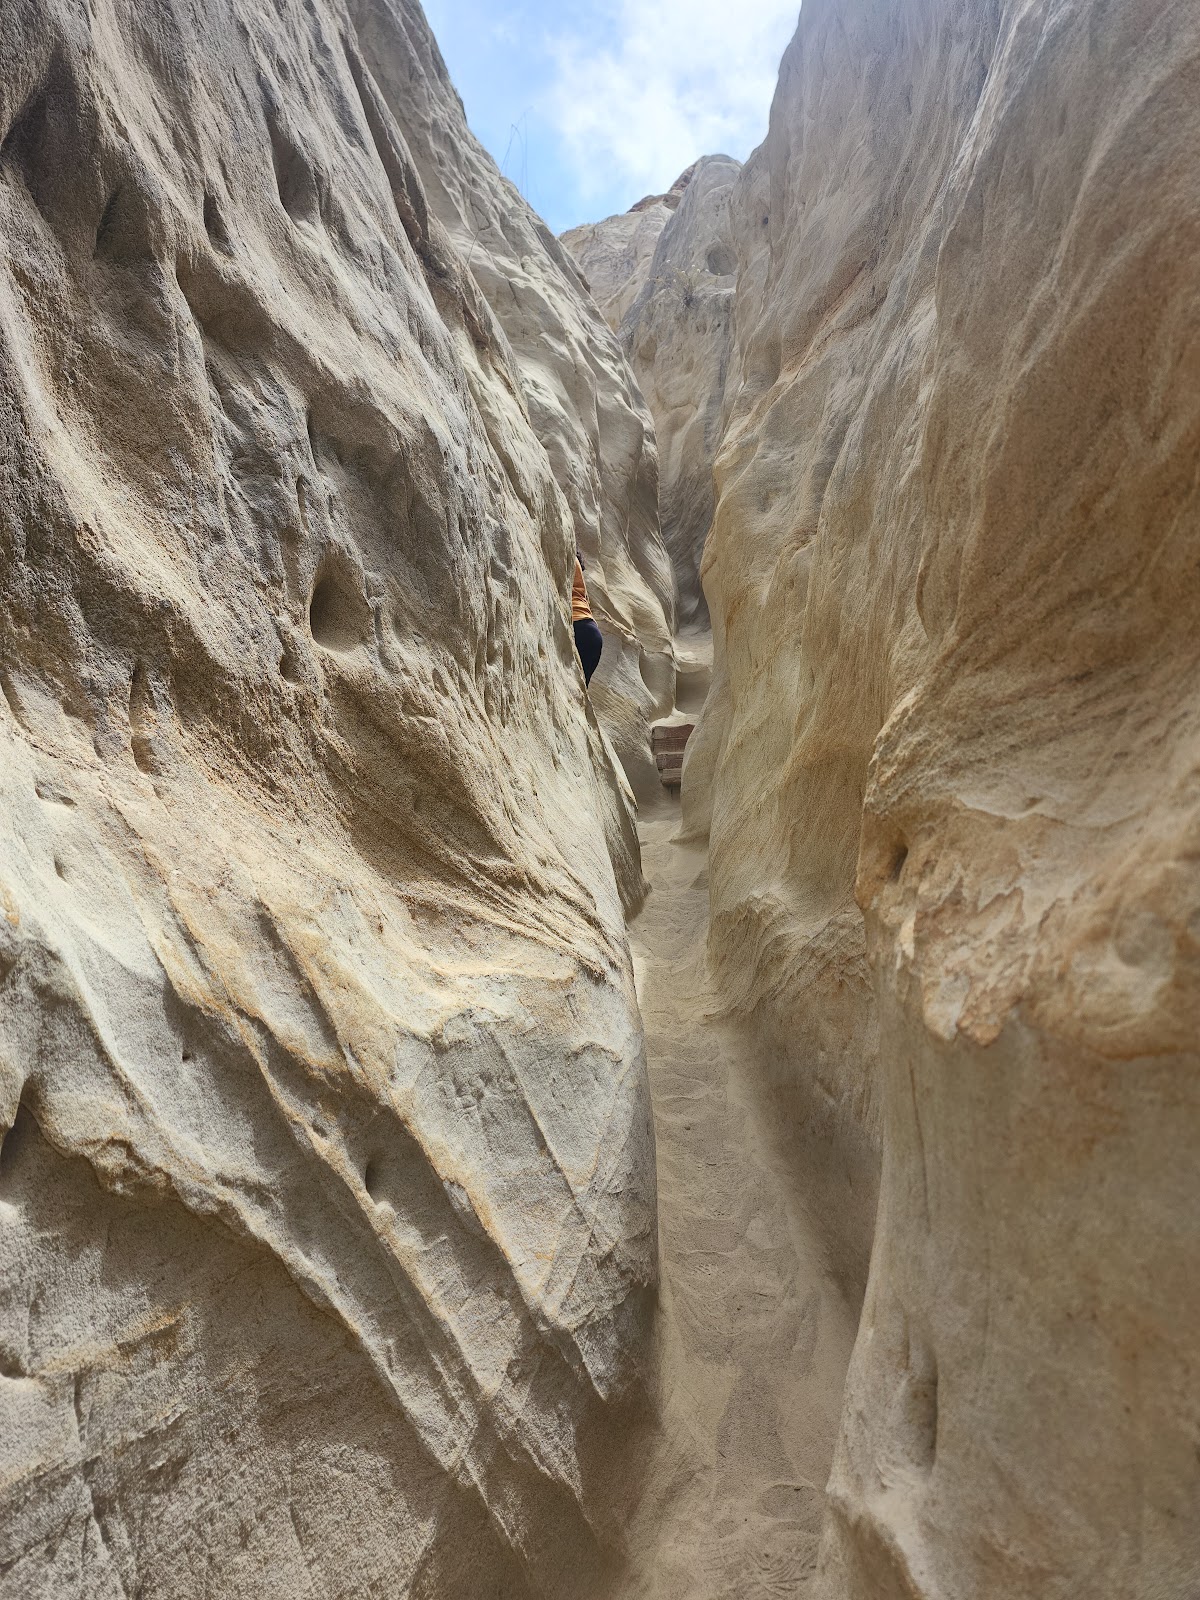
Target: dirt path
(756, 1334)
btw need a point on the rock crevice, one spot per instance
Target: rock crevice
(947, 764)
(331, 1257)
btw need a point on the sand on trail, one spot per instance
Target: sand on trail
(755, 1329)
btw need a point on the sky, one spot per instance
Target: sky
(587, 105)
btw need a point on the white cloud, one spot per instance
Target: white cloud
(657, 83)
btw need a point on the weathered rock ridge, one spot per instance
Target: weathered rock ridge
(615, 255)
(664, 275)
(327, 1203)
(582, 402)
(950, 764)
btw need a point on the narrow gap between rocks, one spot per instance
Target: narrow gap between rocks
(755, 1330)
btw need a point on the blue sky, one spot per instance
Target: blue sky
(590, 104)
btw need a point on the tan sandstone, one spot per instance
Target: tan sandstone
(327, 1199)
(614, 256)
(576, 386)
(950, 765)
(675, 316)
(330, 1253)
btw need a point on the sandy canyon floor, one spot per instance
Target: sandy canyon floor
(756, 1328)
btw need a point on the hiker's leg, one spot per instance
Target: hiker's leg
(589, 642)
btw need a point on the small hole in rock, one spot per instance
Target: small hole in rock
(898, 861)
(337, 616)
(10, 699)
(919, 1401)
(106, 232)
(54, 797)
(14, 1138)
(214, 225)
(721, 261)
(372, 1178)
(59, 868)
(294, 177)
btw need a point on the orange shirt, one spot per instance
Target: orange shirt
(581, 611)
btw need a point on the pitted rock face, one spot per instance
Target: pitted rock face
(949, 762)
(330, 1175)
(575, 383)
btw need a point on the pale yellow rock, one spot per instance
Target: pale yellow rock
(676, 324)
(327, 1201)
(575, 384)
(678, 333)
(328, 1231)
(615, 255)
(951, 761)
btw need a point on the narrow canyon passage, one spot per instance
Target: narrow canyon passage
(755, 1331)
(372, 1225)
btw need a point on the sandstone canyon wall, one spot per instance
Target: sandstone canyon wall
(328, 1236)
(950, 764)
(615, 256)
(577, 387)
(678, 333)
(674, 311)
(327, 1202)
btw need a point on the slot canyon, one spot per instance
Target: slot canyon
(728, 1131)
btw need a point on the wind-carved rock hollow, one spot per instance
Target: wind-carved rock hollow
(389, 1204)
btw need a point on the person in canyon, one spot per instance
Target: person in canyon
(589, 641)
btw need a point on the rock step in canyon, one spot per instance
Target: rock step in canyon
(440, 1158)
(668, 741)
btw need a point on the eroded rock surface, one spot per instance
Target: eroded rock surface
(327, 1187)
(951, 761)
(327, 1209)
(667, 276)
(615, 256)
(576, 386)
(678, 333)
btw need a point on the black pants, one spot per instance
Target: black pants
(589, 643)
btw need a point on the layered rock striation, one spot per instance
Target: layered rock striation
(327, 1203)
(949, 766)
(575, 384)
